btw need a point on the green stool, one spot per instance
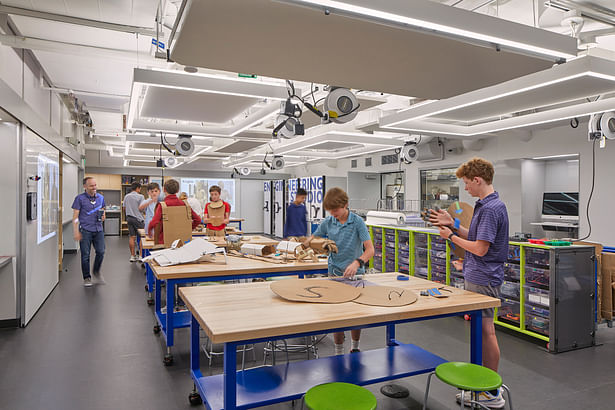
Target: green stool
(339, 396)
(468, 377)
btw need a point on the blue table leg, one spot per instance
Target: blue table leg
(390, 335)
(230, 376)
(476, 337)
(194, 345)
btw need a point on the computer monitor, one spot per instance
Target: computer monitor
(562, 206)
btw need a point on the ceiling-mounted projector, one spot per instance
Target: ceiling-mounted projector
(288, 127)
(170, 162)
(411, 151)
(277, 162)
(184, 145)
(341, 105)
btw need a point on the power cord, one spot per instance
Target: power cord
(591, 192)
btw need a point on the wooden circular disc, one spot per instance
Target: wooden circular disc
(314, 290)
(385, 296)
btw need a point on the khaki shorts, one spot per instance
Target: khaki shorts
(493, 291)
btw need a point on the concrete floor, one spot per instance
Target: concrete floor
(94, 349)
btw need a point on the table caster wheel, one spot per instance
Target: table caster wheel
(168, 359)
(146, 289)
(156, 329)
(466, 317)
(142, 265)
(150, 302)
(195, 399)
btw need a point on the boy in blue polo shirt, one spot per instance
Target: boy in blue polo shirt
(354, 245)
(296, 222)
(486, 246)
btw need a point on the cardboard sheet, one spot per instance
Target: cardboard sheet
(191, 252)
(387, 296)
(314, 290)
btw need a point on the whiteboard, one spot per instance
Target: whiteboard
(70, 189)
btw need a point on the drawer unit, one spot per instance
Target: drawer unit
(537, 257)
(437, 239)
(403, 261)
(536, 276)
(420, 252)
(390, 266)
(537, 323)
(536, 296)
(510, 290)
(403, 269)
(514, 253)
(512, 271)
(510, 310)
(404, 248)
(404, 253)
(441, 269)
(439, 262)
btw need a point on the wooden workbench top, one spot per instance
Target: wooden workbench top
(236, 312)
(148, 243)
(234, 266)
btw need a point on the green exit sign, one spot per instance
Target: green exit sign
(247, 75)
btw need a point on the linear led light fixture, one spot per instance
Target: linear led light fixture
(452, 22)
(587, 66)
(558, 114)
(558, 156)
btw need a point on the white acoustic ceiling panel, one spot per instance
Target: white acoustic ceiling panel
(187, 105)
(240, 146)
(333, 146)
(350, 52)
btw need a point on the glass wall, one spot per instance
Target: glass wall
(439, 188)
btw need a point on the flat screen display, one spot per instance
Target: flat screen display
(560, 203)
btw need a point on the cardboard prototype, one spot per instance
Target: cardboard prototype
(215, 213)
(387, 296)
(288, 247)
(258, 250)
(176, 224)
(314, 290)
(321, 245)
(465, 218)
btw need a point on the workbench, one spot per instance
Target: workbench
(249, 313)
(147, 245)
(235, 268)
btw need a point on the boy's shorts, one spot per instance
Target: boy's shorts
(493, 291)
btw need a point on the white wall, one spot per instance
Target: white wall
(251, 207)
(562, 176)
(41, 258)
(557, 140)
(532, 175)
(8, 219)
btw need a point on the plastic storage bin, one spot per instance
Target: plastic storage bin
(510, 290)
(420, 272)
(457, 282)
(537, 257)
(420, 252)
(441, 269)
(438, 277)
(512, 271)
(403, 253)
(441, 263)
(436, 246)
(537, 323)
(403, 260)
(536, 310)
(536, 296)
(437, 239)
(537, 276)
(510, 310)
(438, 254)
(420, 240)
(514, 253)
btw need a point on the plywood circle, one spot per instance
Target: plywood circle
(314, 290)
(385, 296)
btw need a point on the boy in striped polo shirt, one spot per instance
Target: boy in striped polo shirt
(354, 245)
(486, 246)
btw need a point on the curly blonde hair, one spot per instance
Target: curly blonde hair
(477, 167)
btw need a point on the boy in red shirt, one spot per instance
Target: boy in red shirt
(170, 189)
(217, 213)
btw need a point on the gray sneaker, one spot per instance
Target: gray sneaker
(87, 282)
(98, 279)
(133, 258)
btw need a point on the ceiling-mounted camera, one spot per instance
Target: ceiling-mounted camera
(288, 127)
(170, 162)
(184, 145)
(602, 125)
(341, 105)
(277, 162)
(409, 152)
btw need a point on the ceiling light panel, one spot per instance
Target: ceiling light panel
(240, 146)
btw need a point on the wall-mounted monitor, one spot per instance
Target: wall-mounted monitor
(560, 206)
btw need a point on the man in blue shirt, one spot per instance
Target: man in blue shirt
(296, 222)
(88, 217)
(153, 193)
(486, 246)
(354, 248)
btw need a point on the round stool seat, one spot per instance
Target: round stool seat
(339, 396)
(468, 376)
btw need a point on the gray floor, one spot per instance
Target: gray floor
(94, 349)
